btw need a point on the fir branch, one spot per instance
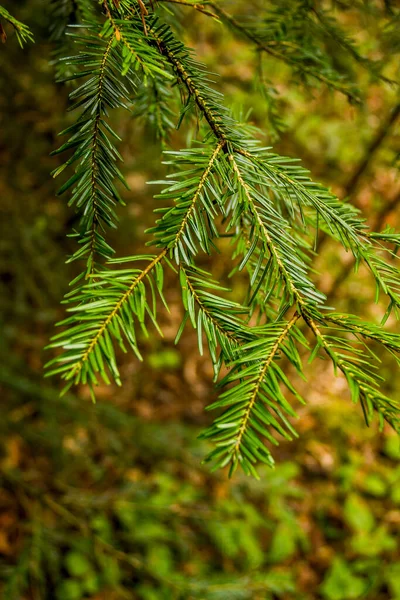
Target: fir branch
(290, 180)
(22, 31)
(217, 317)
(101, 312)
(267, 201)
(191, 221)
(105, 307)
(238, 432)
(361, 329)
(263, 372)
(94, 192)
(274, 232)
(348, 226)
(153, 104)
(270, 47)
(360, 374)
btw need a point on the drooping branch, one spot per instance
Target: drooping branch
(266, 204)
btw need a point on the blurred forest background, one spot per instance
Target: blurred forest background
(110, 501)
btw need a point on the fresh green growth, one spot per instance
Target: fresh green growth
(226, 184)
(22, 31)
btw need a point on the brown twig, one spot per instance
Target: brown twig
(200, 7)
(143, 14)
(372, 149)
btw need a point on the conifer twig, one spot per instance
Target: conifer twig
(266, 202)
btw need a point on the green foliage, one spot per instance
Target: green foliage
(225, 185)
(308, 38)
(94, 332)
(111, 501)
(357, 514)
(22, 31)
(147, 514)
(341, 583)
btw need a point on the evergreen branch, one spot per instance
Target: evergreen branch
(266, 47)
(341, 218)
(109, 303)
(293, 182)
(355, 325)
(263, 371)
(249, 404)
(22, 31)
(217, 316)
(280, 245)
(186, 224)
(194, 78)
(360, 375)
(94, 192)
(153, 105)
(268, 202)
(100, 310)
(177, 58)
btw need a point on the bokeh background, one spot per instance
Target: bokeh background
(111, 501)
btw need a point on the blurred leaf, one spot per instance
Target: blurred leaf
(373, 543)
(374, 485)
(91, 583)
(392, 447)
(395, 495)
(165, 359)
(160, 560)
(69, 590)
(283, 544)
(341, 584)
(357, 514)
(393, 579)
(77, 564)
(111, 571)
